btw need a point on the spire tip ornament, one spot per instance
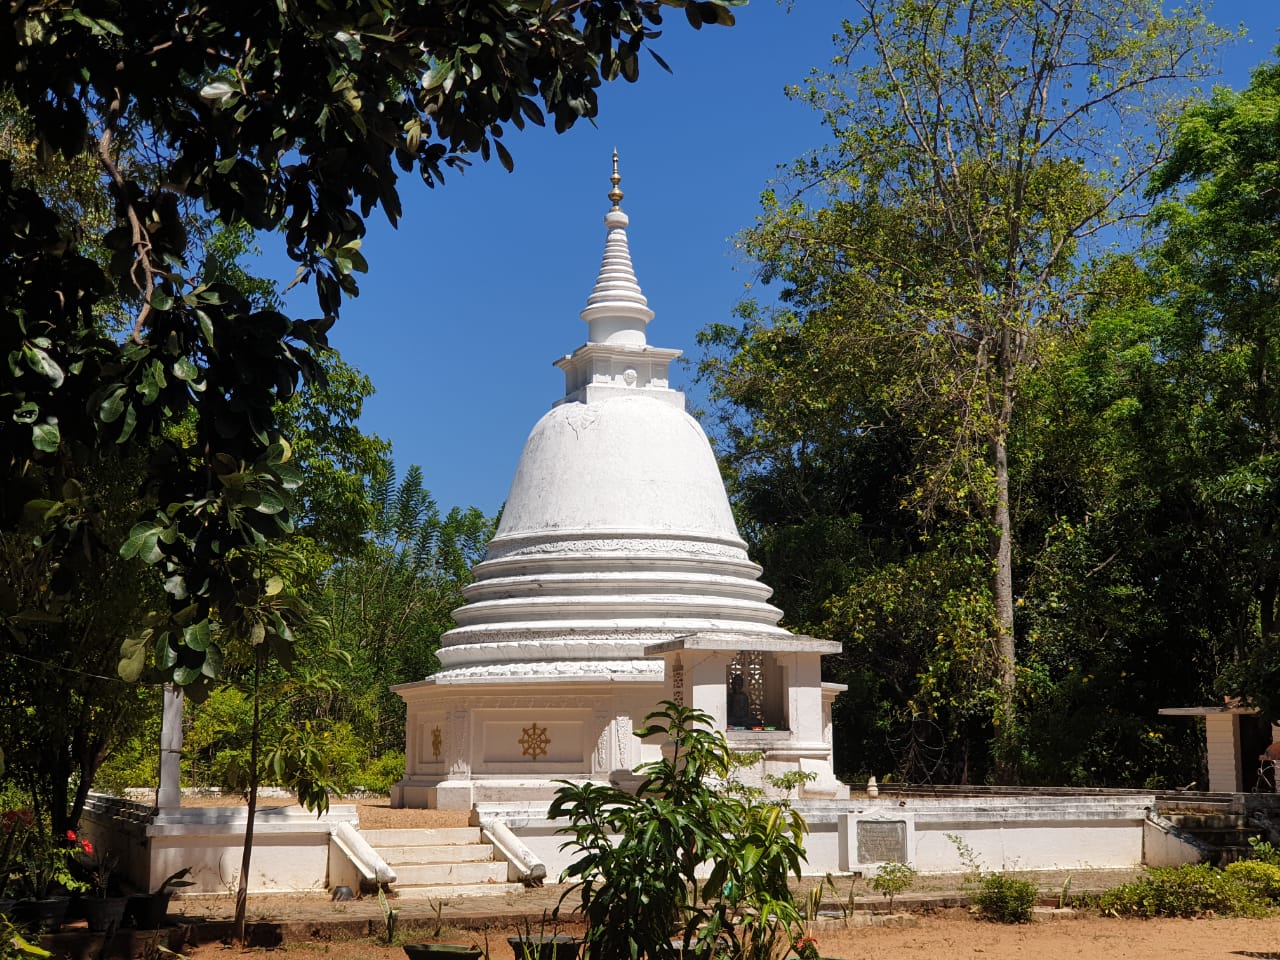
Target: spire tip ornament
(615, 194)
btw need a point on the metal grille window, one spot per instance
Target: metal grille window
(754, 692)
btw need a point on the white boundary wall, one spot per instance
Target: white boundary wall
(294, 851)
(1024, 833)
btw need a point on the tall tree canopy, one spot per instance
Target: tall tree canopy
(929, 257)
(296, 118)
(1220, 267)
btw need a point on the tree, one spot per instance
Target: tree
(1220, 268)
(980, 151)
(387, 606)
(276, 117)
(1120, 603)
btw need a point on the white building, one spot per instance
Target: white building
(616, 579)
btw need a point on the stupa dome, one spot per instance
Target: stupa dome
(628, 464)
(617, 532)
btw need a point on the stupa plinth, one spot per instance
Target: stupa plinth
(616, 561)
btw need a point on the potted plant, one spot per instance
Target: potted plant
(102, 913)
(46, 870)
(538, 946)
(146, 911)
(14, 827)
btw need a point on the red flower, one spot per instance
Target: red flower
(87, 846)
(13, 818)
(71, 834)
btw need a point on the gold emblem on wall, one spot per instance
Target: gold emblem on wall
(436, 741)
(535, 741)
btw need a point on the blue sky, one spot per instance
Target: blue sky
(467, 304)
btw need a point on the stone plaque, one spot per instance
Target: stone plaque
(880, 841)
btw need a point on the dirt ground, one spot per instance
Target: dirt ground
(951, 935)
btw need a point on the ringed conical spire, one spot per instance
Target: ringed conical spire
(617, 311)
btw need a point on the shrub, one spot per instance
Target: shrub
(1264, 851)
(1191, 890)
(687, 853)
(892, 879)
(1263, 878)
(378, 775)
(1005, 899)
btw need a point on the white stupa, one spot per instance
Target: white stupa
(616, 579)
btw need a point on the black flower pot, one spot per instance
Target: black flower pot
(146, 911)
(441, 951)
(42, 916)
(103, 914)
(559, 947)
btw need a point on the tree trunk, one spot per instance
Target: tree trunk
(58, 783)
(242, 888)
(1002, 595)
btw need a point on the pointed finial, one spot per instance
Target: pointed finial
(615, 194)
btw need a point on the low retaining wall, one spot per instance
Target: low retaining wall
(1002, 833)
(1027, 833)
(293, 849)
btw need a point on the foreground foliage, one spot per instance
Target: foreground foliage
(1245, 889)
(640, 858)
(279, 118)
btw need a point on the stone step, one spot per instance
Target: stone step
(437, 836)
(435, 874)
(1217, 822)
(440, 853)
(450, 891)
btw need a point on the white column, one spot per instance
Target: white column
(169, 794)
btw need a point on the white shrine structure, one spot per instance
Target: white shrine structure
(616, 579)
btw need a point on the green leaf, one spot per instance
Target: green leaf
(113, 406)
(217, 91)
(212, 665)
(184, 369)
(36, 511)
(45, 437)
(133, 656)
(196, 636)
(269, 502)
(166, 656)
(504, 156)
(206, 326)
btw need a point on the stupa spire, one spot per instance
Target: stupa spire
(617, 311)
(616, 193)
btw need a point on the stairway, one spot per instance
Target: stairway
(1225, 835)
(441, 863)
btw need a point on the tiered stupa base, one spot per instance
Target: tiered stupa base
(472, 743)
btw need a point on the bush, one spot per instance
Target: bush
(1262, 878)
(380, 774)
(1191, 890)
(688, 854)
(1005, 899)
(892, 879)
(1263, 850)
